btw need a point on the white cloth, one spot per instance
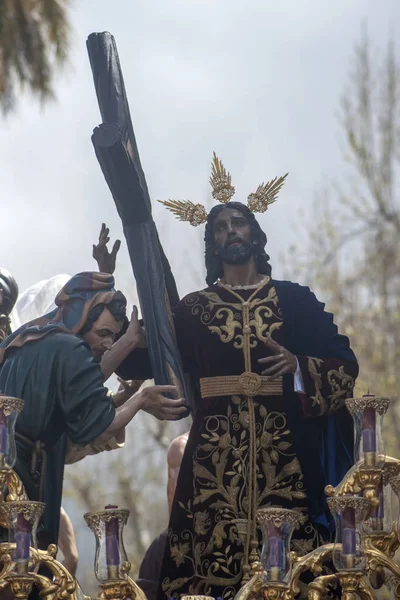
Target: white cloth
(37, 300)
(298, 380)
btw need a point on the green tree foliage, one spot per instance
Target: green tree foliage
(34, 41)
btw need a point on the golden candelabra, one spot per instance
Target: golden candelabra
(361, 560)
(41, 569)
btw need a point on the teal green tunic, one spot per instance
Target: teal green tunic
(62, 387)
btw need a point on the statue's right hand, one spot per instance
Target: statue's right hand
(155, 403)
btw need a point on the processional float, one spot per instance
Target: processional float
(361, 558)
(367, 535)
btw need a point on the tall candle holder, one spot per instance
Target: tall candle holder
(368, 412)
(22, 518)
(111, 564)
(349, 513)
(277, 526)
(107, 526)
(9, 410)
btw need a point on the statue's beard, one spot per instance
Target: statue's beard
(236, 255)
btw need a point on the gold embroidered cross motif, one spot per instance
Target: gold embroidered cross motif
(266, 317)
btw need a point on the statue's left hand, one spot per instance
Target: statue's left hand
(280, 363)
(105, 259)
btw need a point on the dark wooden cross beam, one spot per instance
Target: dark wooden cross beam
(117, 152)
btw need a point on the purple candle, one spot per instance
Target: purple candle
(22, 543)
(275, 551)
(112, 546)
(349, 535)
(369, 430)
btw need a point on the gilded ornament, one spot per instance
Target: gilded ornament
(265, 194)
(21, 586)
(222, 192)
(338, 503)
(277, 591)
(387, 543)
(379, 404)
(279, 516)
(95, 519)
(348, 486)
(220, 181)
(10, 404)
(353, 584)
(15, 488)
(318, 589)
(185, 210)
(61, 585)
(249, 384)
(31, 511)
(121, 589)
(369, 478)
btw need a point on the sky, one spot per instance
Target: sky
(258, 81)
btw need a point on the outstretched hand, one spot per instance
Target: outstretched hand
(154, 402)
(280, 363)
(105, 259)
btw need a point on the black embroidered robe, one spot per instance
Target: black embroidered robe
(302, 442)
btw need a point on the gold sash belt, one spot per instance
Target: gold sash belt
(247, 384)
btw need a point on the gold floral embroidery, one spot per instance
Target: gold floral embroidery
(263, 330)
(221, 494)
(265, 317)
(179, 553)
(227, 332)
(342, 386)
(314, 365)
(202, 522)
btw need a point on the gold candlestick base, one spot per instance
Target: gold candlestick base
(61, 585)
(354, 586)
(120, 589)
(21, 585)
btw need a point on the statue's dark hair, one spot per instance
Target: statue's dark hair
(117, 308)
(214, 266)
